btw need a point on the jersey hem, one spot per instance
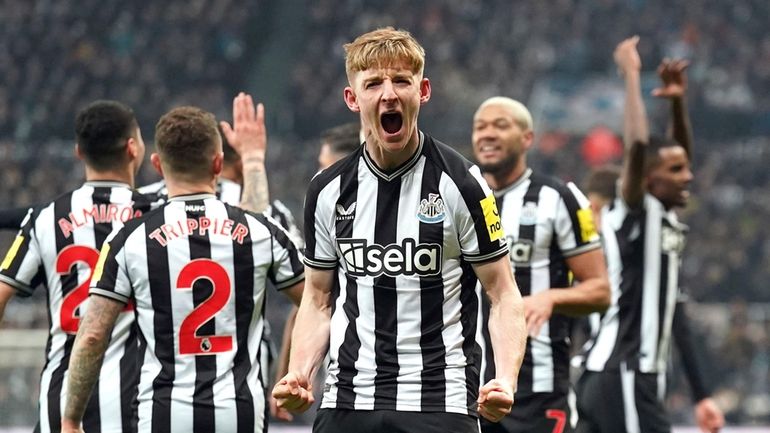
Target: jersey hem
(582, 249)
(401, 407)
(320, 264)
(23, 289)
(108, 294)
(486, 257)
(290, 282)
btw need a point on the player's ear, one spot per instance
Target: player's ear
(529, 138)
(424, 90)
(155, 160)
(132, 148)
(350, 99)
(78, 152)
(218, 163)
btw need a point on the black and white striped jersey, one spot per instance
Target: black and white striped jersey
(404, 306)
(58, 246)
(643, 248)
(546, 221)
(196, 270)
(156, 190)
(279, 212)
(230, 193)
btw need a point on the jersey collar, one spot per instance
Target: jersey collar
(406, 166)
(523, 178)
(107, 184)
(190, 197)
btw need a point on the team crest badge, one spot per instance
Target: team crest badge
(431, 209)
(528, 214)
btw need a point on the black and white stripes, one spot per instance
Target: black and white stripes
(643, 250)
(58, 245)
(546, 221)
(197, 270)
(404, 312)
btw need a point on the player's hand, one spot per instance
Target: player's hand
(708, 416)
(247, 135)
(626, 55)
(279, 413)
(672, 74)
(538, 309)
(495, 400)
(293, 393)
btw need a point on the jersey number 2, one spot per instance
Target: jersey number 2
(70, 255)
(190, 343)
(64, 261)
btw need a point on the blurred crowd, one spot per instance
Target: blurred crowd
(478, 48)
(57, 56)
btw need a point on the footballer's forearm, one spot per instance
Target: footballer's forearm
(255, 196)
(87, 354)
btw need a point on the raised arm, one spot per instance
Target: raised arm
(309, 342)
(636, 132)
(86, 359)
(508, 335)
(673, 75)
(248, 137)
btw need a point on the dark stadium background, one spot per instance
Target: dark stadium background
(554, 55)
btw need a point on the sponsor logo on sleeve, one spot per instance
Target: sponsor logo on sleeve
(492, 218)
(587, 226)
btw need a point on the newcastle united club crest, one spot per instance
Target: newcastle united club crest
(431, 209)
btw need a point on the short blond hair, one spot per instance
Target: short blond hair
(381, 48)
(518, 111)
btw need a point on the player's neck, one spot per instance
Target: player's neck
(123, 176)
(177, 187)
(390, 160)
(498, 181)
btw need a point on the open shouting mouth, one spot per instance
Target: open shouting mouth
(391, 122)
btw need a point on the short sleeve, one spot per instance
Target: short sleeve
(283, 215)
(286, 268)
(574, 224)
(320, 250)
(22, 266)
(480, 230)
(110, 278)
